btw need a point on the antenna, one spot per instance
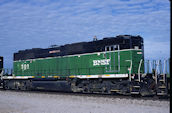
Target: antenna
(95, 38)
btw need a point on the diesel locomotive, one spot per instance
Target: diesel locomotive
(108, 66)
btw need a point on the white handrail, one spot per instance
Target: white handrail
(139, 69)
(164, 66)
(157, 67)
(1, 74)
(130, 69)
(150, 66)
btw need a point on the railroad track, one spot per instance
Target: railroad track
(113, 96)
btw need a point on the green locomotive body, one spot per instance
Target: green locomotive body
(109, 64)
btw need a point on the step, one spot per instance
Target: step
(115, 90)
(161, 80)
(162, 93)
(162, 86)
(134, 92)
(136, 80)
(136, 86)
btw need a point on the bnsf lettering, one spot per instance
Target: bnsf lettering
(101, 62)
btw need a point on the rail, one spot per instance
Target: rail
(157, 66)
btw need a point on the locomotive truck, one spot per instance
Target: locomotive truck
(108, 66)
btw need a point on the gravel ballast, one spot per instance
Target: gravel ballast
(32, 102)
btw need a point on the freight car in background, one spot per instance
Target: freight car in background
(1, 70)
(1, 63)
(110, 65)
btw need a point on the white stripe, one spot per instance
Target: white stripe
(17, 77)
(102, 76)
(77, 76)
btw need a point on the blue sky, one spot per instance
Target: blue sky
(26, 24)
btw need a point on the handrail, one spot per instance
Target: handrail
(1, 74)
(129, 69)
(139, 68)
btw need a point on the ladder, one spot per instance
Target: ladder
(135, 81)
(135, 85)
(161, 80)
